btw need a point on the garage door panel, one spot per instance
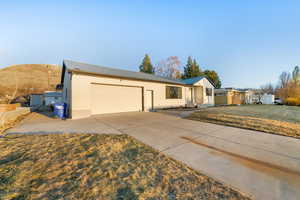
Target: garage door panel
(114, 99)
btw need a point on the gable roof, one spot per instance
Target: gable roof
(113, 72)
(192, 81)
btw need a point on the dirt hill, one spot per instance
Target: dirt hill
(28, 78)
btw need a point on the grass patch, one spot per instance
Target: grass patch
(77, 166)
(281, 120)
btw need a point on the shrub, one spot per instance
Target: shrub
(292, 101)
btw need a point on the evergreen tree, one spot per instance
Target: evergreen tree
(191, 69)
(196, 69)
(214, 77)
(146, 65)
(188, 68)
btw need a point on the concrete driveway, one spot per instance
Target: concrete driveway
(264, 166)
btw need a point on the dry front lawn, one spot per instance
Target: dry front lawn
(8, 124)
(95, 166)
(276, 119)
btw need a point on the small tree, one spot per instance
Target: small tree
(196, 71)
(169, 68)
(146, 65)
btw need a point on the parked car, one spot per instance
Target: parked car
(278, 101)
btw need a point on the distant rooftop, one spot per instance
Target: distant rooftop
(234, 89)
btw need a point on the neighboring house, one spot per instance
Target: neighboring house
(202, 92)
(268, 99)
(229, 96)
(45, 99)
(90, 90)
(263, 98)
(52, 97)
(249, 96)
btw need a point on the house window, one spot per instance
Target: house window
(173, 92)
(208, 91)
(220, 94)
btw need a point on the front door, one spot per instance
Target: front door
(199, 95)
(149, 100)
(189, 99)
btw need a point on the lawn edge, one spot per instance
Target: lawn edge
(241, 127)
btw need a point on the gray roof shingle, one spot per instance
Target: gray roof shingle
(83, 67)
(95, 69)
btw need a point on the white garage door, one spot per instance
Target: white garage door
(114, 99)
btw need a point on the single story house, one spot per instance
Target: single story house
(263, 98)
(229, 96)
(91, 90)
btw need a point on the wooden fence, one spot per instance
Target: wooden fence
(9, 107)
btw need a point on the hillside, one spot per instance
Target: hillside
(30, 78)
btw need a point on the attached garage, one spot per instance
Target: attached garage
(115, 98)
(92, 90)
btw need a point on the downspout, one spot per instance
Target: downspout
(70, 96)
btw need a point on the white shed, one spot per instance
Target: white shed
(267, 99)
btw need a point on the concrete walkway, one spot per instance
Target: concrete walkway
(264, 166)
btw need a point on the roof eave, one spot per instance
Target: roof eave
(115, 76)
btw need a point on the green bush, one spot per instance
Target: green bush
(292, 101)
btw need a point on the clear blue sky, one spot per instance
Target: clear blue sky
(248, 43)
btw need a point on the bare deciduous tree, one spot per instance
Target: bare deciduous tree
(284, 79)
(296, 75)
(268, 89)
(169, 68)
(258, 94)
